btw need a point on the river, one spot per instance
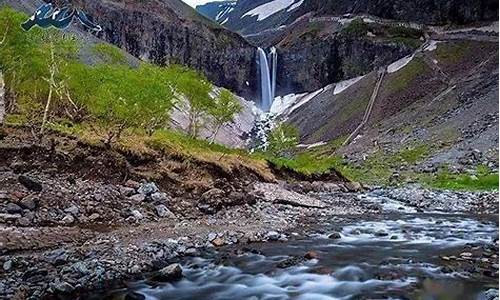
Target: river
(399, 254)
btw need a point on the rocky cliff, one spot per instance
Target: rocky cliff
(435, 12)
(167, 32)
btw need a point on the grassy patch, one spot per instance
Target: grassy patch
(109, 54)
(403, 78)
(453, 53)
(356, 28)
(482, 181)
(308, 164)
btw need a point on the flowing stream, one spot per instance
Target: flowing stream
(400, 254)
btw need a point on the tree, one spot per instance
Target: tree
(2, 102)
(125, 97)
(196, 90)
(223, 110)
(282, 139)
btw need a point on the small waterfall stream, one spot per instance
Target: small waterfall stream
(268, 70)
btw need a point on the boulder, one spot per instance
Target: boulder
(29, 202)
(311, 255)
(172, 272)
(30, 183)
(147, 189)
(68, 219)
(162, 211)
(335, 236)
(13, 208)
(138, 197)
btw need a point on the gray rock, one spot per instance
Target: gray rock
(136, 214)
(81, 268)
(148, 189)
(24, 222)
(212, 236)
(127, 191)
(335, 236)
(13, 208)
(272, 236)
(138, 198)
(171, 273)
(132, 184)
(68, 219)
(159, 197)
(62, 287)
(7, 266)
(162, 211)
(73, 209)
(9, 217)
(29, 202)
(4, 196)
(94, 217)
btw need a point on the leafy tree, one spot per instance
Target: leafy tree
(282, 139)
(223, 110)
(60, 50)
(196, 90)
(127, 97)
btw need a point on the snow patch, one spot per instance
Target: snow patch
(399, 64)
(282, 103)
(266, 10)
(295, 6)
(310, 146)
(432, 46)
(343, 85)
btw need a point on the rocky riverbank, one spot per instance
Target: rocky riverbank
(75, 218)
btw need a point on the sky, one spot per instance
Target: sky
(193, 3)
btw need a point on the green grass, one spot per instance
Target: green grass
(109, 54)
(306, 163)
(402, 79)
(408, 42)
(453, 53)
(484, 181)
(356, 28)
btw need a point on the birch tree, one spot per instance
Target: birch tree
(223, 110)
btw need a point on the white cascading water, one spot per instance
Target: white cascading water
(268, 66)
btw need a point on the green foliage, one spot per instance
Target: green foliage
(223, 110)
(404, 32)
(282, 140)
(109, 54)
(356, 28)
(196, 89)
(308, 164)
(403, 78)
(485, 180)
(453, 53)
(169, 140)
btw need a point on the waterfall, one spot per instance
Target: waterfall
(268, 70)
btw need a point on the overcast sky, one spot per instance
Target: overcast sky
(193, 3)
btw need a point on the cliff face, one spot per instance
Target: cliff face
(166, 32)
(431, 12)
(315, 64)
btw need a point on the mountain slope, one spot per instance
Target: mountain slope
(245, 18)
(440, 102)
(217, 11)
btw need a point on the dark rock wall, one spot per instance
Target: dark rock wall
(313, 65)
(164, 32)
